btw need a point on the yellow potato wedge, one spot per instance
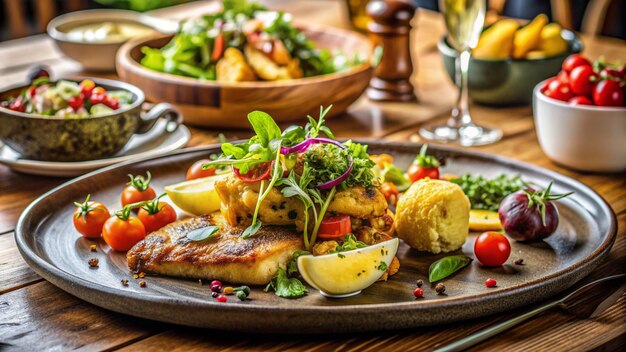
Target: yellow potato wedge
(536, 54)
(233, 67)
(552, 43)
(528, 37)
(267, 69)
(497, 41)
(484, 220)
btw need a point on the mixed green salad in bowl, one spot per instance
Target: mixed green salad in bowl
(67, 99)
(244, 42)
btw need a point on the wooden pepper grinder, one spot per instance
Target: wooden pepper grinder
(390, 28)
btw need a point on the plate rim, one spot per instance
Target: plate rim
(98, 163)
(53, 273)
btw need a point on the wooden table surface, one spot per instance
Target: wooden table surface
(36, 315)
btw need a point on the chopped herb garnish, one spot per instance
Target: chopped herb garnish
(382, 266)
(202, 233)
(487, 194)
(286, 287)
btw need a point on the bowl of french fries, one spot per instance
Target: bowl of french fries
(512, 57)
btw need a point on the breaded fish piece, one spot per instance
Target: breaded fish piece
(239, 200)
(225, 256)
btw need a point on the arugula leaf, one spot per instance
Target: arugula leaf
(447, 266)
(393, 174)
(286, 287)
(202, 233)
(264, 126)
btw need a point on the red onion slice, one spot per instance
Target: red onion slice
(338, 180)
(303, 146)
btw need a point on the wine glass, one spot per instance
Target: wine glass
(464, 20)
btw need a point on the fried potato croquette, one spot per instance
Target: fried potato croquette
(234, 68)
(433, 216)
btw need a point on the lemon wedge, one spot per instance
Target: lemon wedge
(196, 197)
(347, 273)
(484, 220)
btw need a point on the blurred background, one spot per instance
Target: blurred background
(19, 18)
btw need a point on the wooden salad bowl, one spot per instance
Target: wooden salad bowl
(220, 104)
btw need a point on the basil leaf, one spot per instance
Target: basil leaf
(447, 266)
(251, 230)
(202, 233)
(286, 287)
(264, 126)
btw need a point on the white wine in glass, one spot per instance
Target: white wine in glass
(464, 20)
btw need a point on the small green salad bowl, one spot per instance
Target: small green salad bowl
(52, 138)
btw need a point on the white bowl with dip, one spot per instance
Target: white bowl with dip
(92, 37)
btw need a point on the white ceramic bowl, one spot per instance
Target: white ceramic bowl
(99, 56)
(586, 138)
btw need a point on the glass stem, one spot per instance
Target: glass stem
(460, 114)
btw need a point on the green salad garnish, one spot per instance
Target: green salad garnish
(486, 194)
(250, 41)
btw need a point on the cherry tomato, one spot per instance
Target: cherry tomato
(75, 103)
(608, 93)
(97, 98)
(89, 218)
(390, 191)
(138, 190)
(122, 234)
(111, 102)
(259, 172)
(492, 248)
(546, 84)
(99, 90)
(574, 61)
(335, 227)
(86, 87)
(564, 77)
(580, 100)
(218, 48)
(559, 91)
(613, 73)
(154, 214)
(196, 171)
(423, 166)
(582, 80)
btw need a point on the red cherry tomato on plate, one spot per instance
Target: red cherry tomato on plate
(492, 248)
(423, 166)
(613, 73)
(122, 234)
(89, 218)
(111, 102)
(137, 190)
(97, 98)
(87, 86)
(259, 172)
(75, 103)
(580, 100)
(154, 215)
(574, 61)
(335, 227)
(196, 171)
(608, 93)
(582, 80)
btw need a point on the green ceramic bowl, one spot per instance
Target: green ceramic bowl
(47, 138)
(508, 81)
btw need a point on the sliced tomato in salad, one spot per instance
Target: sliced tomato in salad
(259, 172)
(335, 227)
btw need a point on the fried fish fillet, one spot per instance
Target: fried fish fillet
(225, 256)
(239, 200)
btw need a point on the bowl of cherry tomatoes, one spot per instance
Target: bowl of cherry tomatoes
(580, 115)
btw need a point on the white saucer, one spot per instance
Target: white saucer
(153, 143)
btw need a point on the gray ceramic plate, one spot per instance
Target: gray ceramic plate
(52, 247)
(155, 142)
